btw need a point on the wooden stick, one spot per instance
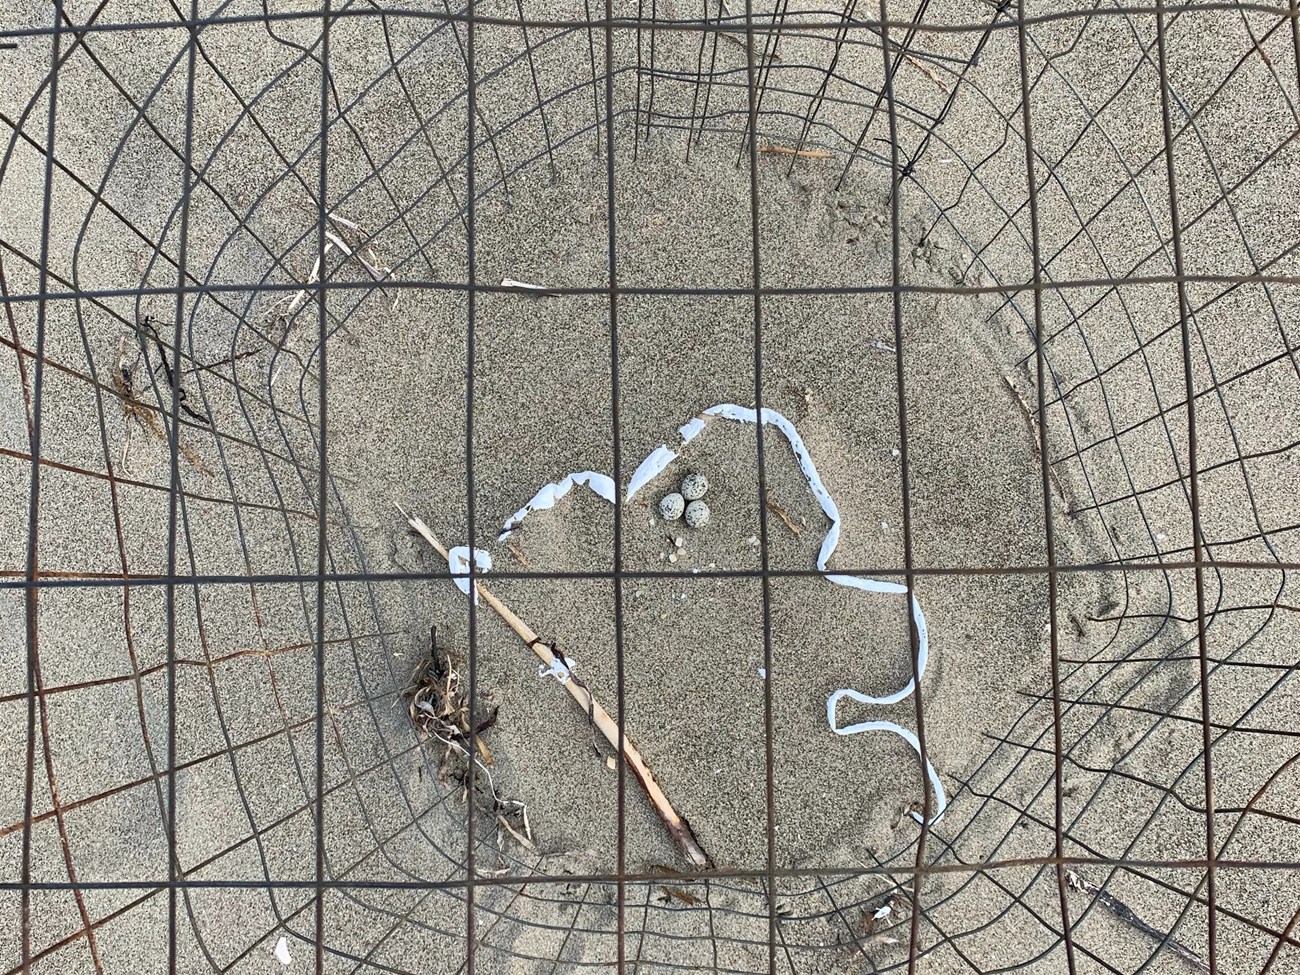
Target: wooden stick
(678, 828)
(1129, 916)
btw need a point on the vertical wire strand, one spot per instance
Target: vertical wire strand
(31, 592)
(1193, 482)
(620, 702)
(769, 761)
(173, 427)
(471, 309)
(1049, 533)
(909, 575)
(322, 486)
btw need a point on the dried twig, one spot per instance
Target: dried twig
(676, 893)
(517, 552)
(771, 56)
(438, 702)
(802, 153)
(678, 828)
(784, 515)
(522, 840)
(1130, 917)
(1032, 420)
(133, 409)
(928, 71)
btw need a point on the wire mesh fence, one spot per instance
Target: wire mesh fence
(1020, 279)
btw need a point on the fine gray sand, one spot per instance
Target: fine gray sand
(692, 647)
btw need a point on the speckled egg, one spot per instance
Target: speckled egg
(697, 514)
(672, 506)
(694, 486)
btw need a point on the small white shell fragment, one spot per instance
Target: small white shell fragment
(678, 542)
(282, 951)
(694, 486)
(894, 452)
(884, 525)
(752, 541)
(881, 913)
(672, 556)
(762, 672)
(671, 506)
(697, 514)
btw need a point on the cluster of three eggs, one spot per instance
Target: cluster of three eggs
(688, 503)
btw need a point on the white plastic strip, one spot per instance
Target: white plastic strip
(601, 484)
(941, 798)
(458, 561)
(649, 469)
(663, 456)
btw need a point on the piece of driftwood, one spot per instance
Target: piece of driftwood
(678, 828)
(1129, 916)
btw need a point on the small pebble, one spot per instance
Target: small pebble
(679, 542)
(695, 486)
(894, 452)
(672, 557)
(885, 525)
(697, 514)
(752, 541)
(672, 506)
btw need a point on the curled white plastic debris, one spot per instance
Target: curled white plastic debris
(458, 562)
(659, 460)
(922, 640)
(881, 913)
(941, 798)
(282, 951)
(561, 670)
(550, 494)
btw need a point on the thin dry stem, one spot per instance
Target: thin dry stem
(801, 153)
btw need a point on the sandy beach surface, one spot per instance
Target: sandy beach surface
(688, 653)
